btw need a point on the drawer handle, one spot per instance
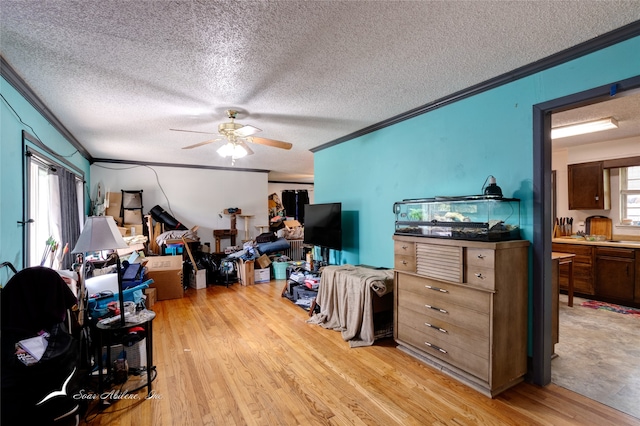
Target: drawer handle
(479, 275)
(481, 256)
(436, 327)
(436, 309)
(404, 262)
(405, 247)
(436, 289)
(435, 347)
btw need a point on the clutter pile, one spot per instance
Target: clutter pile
(302, 285)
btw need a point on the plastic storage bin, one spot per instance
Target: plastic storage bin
(280, 270)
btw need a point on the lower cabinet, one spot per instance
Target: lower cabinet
(615, 273)
(602, 272)
(463, 308)
(583, 276)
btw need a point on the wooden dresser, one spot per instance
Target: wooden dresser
(461, 306)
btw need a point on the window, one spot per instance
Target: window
(40, 229)
(630, 195)
(49, 206)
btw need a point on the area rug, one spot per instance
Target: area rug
(611, 307)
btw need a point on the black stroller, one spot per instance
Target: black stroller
(35, 300)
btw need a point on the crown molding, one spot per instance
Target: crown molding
(9, 74)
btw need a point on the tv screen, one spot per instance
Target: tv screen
(323, 225)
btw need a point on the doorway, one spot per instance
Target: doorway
(542, 149)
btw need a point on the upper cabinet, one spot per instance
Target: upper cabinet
(589, 186)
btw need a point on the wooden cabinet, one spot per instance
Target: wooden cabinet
(461, 306)
(583, 275)
(603, 272)
(589, 186)
(615, 273)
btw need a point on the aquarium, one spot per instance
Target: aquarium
(478, 218)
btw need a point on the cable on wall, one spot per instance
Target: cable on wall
(38, 139)
(150, 168)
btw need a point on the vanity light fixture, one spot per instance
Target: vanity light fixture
(582, 128)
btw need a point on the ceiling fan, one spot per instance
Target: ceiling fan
(236, 135)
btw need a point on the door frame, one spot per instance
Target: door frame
(542, 345)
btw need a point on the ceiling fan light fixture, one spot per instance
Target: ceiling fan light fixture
(583, 128)
(232, 150)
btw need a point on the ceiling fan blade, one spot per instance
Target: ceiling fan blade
(201, 143)
(245, 131)
(245, 146)
(270, 142)
(192, 131)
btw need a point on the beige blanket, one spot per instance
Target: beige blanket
(344, 297)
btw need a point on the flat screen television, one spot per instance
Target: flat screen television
(323, 225)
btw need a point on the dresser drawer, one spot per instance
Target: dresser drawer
(441, 293)
(479, 277)
(404, 263)
(404, 248)
(485, 258)
(443, 313)
(445, 334)
(471, 363)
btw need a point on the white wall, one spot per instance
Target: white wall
(193, 196)
(593, 152)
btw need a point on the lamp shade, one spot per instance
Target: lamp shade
(232, 150)
(493, 189)
(99, 233)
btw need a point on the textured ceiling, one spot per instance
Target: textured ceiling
(625, 109)
(120, 74)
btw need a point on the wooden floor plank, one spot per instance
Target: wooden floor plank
(246, 356)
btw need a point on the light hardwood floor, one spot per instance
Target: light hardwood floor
(246, 356)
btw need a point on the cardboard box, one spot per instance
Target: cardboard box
(263, 261)
(115, 201)
(152, 295)
(166, 273)
(133, 216)
(245, 272)
(292, 223)
(198, 280)
(262, 275)
(138, 229)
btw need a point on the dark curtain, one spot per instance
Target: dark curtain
(303, 198)
(294, 201)
(289, 203)
(69, 214)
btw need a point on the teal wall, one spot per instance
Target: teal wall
(452, 150)
(11, 159)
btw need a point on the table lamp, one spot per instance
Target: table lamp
(101, 233)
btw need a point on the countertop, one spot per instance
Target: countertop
(614, 243)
